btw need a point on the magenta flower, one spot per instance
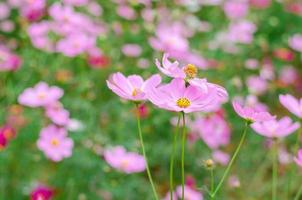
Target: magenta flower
(55, 144)
(190, 193)
(42, 193)
(298, 158)
(175, 96)
(132, 87)
(128, 162)
(3, 141)
(274, 128)
(292, 104)
(251, 114)
(40, 95)
(214, 131)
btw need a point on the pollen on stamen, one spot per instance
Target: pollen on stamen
(54, 142)
(183, 102)
(190, 71)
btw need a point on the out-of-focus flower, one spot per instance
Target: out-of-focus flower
(288, 75)
(256, 85)
(40, 95)
(4, 11)
(142, 111)
(32, 10)
(128, 162)
(3, 142)
(234, 181)
(221, 157)
(294, 7)
(55, 144)
(131, 50)
(292, 104)
(276, 128)
(75, 125)
(42, 193)
(8, 60)
(132, 87)
(175, 96)
(76, 2)
(235, 9)
(213, 130)
(57, 114)
(250, 114)
(251, 63)
(261, 3)
(295, 42)
(8, 132)
(284, 54)
(241, 32)
(126, 12)
(298, 158)
(284, 156)
(168, 196)
(190, 193)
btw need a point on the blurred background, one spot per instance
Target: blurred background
(250, 47)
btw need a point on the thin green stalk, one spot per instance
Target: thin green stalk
(212, 183)
(173, 156)
(144, 153)
(183, 156)
(275, 170)
(299, 193)
(226, 172)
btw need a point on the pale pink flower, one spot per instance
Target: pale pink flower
(132, 87)
(276, 128)
(55, 144)
(241, 32)
(190, 193)
(8, 60)
(131, 50)
(175, 96)
(40, 95)
(4, 11)
(256, 85)
(261, 3)
(233, 181)
(126, 12)
(289, 75)
(168, 196)
(76, 2)
(298, 158)
(251, 114)
(235, 9)
(213, 130)
(295, 42)
(57, 114)
(292, 104)
(220, 157)
(128, 162)
(251, 63)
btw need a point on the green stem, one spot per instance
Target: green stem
(173, 156)
(226, 172)
(212, 182)
(299, 193)
(275, 170)
(183, 156)
(144, 153)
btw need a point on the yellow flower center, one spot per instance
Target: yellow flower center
(136, 92)
(41, 95)
(54, 142)
(190, 71)
(124, 164)
(183, 102)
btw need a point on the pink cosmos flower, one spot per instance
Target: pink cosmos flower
(190, 193)
(288, 75)
(214, 131)
(3, 142)
(40, 95)
(189, 73)
(132, 87)
(128, 162)
(261, 3)
(8, 132)
(292, 104)
(55, 144)
(256, 85)
(42, 193)
(76, 2)
(298, 158)
(57, 114)
(5, 11)
(131, 50)
(241, 32)
(251, 114)
(126, 12)
(235, 9)
(175, 96)
(274, 128)
(295, 42)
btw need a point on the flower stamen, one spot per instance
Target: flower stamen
(183, 102)
(190, 71)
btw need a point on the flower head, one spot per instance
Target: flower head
(298, 158)
(175, 96)
(128, 162)
(41, 193)
(251, 114)
(275, 128)
(190, 193)
(55, 144)
(292, 104)
(132, 87)
(40, 95)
